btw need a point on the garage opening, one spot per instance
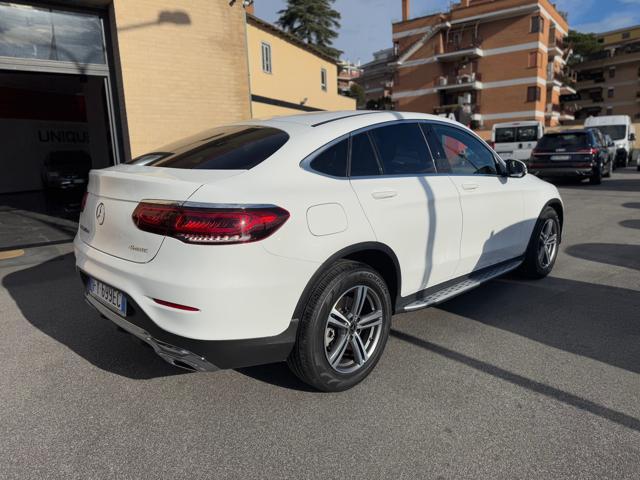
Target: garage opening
(56, 119)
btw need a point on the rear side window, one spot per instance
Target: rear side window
(224, 148)
(333, 160)
(527, 134)
(565, 141)
(363, 157)
(465, 154)
(505, 135)
(402, 149)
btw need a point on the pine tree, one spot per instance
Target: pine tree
(313, 21)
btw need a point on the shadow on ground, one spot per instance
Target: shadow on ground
(591, 320)
(49, 296)
(620, 255)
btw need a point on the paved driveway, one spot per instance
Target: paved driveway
(516, 379)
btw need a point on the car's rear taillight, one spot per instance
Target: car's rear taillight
(210, 224)
(588, 151)
(83, 202)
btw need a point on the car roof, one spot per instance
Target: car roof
(608, 120)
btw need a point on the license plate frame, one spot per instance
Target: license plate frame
(109, 296)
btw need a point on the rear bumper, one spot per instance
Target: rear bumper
(561, 172)
(198, 355)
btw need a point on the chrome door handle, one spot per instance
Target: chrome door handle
(384, 194)
(470, 186)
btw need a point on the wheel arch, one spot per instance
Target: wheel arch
(376, 255)
(556, 204)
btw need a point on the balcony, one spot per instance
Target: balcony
(467, 81)
(457, 51)
(556, 47)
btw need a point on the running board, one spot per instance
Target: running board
(471, 281)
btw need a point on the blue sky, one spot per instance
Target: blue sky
(366, 24)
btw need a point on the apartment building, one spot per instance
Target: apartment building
(289, 76)
(608, 82)
(377, 80)
(484, 62)
(348, 73)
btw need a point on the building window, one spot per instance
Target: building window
(534, 59)
(601, 40)
(323, 79)
(266, 57)
(610, 92)
(396, 48)
(612, 72)
(533, 94)
(609, 110)
(626, 35)
(537, 24)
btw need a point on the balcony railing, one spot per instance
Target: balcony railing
(460, 79)
(458, 46)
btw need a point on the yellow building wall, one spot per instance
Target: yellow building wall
(295, 76)
(183, 68)
(617, 37)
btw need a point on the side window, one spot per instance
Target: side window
(464, 154)
(266, 57)
(333, 160)
(363, 158)
(402, 149)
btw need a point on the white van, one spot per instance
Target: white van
(516, 140)
(621, 131)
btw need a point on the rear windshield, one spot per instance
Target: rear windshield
(563, 140)
(516, 134)
(224, 148)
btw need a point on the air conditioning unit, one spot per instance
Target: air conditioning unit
(442, 81)
(464, 99)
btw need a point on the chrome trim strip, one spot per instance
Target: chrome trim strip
(168, 353)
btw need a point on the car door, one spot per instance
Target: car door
(493, 229)
(411, 209)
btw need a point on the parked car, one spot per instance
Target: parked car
(572, 154)
(611, 147)
(602, 141)
(66, 170)
(622, 132)
(298, 238)
(516, 140)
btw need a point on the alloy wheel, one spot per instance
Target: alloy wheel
(353, 329)
(548, 243)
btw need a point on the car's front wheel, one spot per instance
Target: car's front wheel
(344, 328)
(542, 250)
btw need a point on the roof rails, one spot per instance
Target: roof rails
(345, 116)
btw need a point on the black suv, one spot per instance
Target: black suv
(573, 153)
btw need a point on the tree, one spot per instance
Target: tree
(356, 91)
(582, 44)
(313, 21)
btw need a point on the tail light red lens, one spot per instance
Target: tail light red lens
(209, 225)
(588, 151)
(83, 202)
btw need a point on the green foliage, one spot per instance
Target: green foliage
(583, 45)
(314, 21)
(356, 91)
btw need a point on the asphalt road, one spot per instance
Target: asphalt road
(517, 379)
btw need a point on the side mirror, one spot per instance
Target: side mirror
(632, 137)
(516, 168)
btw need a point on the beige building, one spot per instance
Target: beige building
(112, 79)
(609, 81)
(289, 76)
(484, 61)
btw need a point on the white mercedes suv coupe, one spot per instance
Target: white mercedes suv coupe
(297, 238)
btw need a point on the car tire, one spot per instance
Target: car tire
(596, 176)
(538, 264)
(333, 362)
